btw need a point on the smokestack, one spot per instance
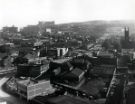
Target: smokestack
(126, 34)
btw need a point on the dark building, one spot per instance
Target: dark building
(116, 90)
(105, 57)
(59, 67)
(30, 31)
(130, 96)
(11, 29)
(126, 42)
(81, 62)
(63, 99)
(76, 75)
(103, 70)
(123, 61)
(20, 60)
(27, 70)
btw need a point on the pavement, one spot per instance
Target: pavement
(2, 93)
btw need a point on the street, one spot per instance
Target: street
(8, 98)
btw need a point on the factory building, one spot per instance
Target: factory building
(54, 52)
(103, 70)
(105, 57)
(76, 75)
(60, 66)
(27, 70)
(29, 88)
(123, 61)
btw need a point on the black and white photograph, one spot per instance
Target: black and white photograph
(67, 51)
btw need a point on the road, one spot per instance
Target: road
(6, 97)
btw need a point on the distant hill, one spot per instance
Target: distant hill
(88, 28)
(96, 28)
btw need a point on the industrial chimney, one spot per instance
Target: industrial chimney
(126, 34)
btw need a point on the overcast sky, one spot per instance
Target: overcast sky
(23, 12)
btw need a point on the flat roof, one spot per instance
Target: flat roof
(62, 60)
(93, 86)
(28, 81)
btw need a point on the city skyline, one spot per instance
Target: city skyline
(21, 12)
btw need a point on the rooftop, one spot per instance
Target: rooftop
(62, 60)
(28, 81)
(93, 86)
(105, 54)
